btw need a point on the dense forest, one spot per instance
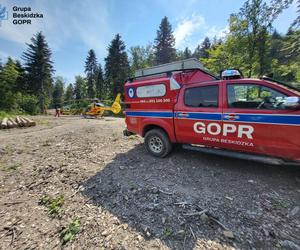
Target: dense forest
(252, 44)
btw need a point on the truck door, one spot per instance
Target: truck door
(198, 114)
(254, 121)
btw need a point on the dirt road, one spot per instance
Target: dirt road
(79, 184)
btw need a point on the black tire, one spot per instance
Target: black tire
(157, 143)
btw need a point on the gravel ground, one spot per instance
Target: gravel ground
(77, 183)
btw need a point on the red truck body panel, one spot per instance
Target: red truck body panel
(154, 101)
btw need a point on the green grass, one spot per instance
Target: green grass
(11, 167)
(168, 232)
(70, 232)
(4, 114)
(42, 121)
(8, 150)
(54, 205)
(279, 204)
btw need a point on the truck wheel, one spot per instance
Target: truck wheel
(157, 143)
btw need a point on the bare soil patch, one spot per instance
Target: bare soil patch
(77, 183)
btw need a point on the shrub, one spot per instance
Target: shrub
(28, 103)
(7, 100)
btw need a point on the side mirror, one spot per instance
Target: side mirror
(292, 102)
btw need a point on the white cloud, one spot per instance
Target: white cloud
(191, 31)
(185, 28)
(214, 31)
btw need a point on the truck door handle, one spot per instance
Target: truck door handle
(183, 114)
(231, 117)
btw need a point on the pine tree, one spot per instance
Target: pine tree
(164, 43)
(39, 68)
(183, 54)
(116, 67)
(80, 88)
(197, 52)
(69, 94)
(91, 72)
(100, 91)
(297, 21)
(276, 43)
(179, 55)
(58, 92)
(10, 74)
(8, 79)
(21, 83)
(201, 51)
(187, 53)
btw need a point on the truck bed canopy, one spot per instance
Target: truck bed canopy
(183, 65)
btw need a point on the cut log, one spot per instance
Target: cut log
(9, 124)
(26, 123)
(4, 123)
(31, 122)
(19, 121)
(14, 124)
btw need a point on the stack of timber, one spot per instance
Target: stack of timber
(19, 121)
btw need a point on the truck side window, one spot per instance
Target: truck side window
(155, 90)
(202, 97)
(253, 96)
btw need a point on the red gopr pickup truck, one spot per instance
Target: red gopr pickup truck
(181, 103)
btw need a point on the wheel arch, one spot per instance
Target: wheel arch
(162, 125)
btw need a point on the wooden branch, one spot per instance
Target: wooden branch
(197, 213)
(218, 222)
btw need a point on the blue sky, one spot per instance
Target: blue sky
(73, 27)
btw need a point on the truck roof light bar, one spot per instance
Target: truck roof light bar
(228, 74)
